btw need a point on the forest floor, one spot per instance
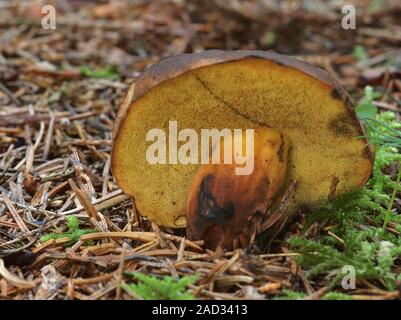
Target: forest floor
(68, 232)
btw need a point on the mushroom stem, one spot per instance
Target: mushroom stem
(224, 206)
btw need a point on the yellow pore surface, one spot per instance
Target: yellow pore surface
(250, 93)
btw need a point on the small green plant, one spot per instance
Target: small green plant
(167, 288)
(291, 295)
(336, 296)
(383, 134)
(359, 52)
(74, 233)
(296, 295)
(287, 294)
(366, 109)
(107, 72)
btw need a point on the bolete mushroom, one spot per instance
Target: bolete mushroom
(237, 89)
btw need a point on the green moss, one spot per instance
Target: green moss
(336, 296)
(107, 72)
(287, 294)
(167, 288)
(359, 52)
(291, 295)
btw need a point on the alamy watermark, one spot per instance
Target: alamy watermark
(348, 282)
(49, 18)
(204, 149)
(349, 20)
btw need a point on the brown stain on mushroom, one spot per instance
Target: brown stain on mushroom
(281, 149)
(333, 187)
(209, 208)
(342, 125)
(367, 152)
(335, 94)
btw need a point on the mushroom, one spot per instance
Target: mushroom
(237, 89)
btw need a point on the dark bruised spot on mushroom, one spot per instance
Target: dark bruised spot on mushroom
(342, 125)
(367, 153)
(333, 187)
(208, 206)
(221, 215)
(280, 151)
(335, 94)
(205, 199)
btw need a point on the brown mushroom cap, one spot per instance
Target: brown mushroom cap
(239, 89)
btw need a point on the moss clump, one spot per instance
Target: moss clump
(167, 288)
(336, 296)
